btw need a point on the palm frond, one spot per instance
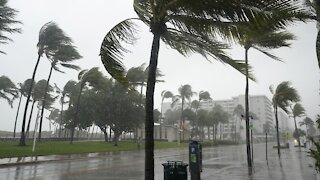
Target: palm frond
(186, 44)
(70, 66)
(56, 68)
(112, 51)
(51, 38)
(267, 53)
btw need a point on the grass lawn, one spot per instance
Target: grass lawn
(11, 149)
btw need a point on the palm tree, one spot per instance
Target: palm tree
(308, 122)
(7, 89)
(165, 95)
(51, 37)
(262, 39)
(137, 76)
(7, 17)
(64, 56)
(23, 92)
(185, 93)
(282, 97)
(297, 111)
(189, 27)
(38, 94)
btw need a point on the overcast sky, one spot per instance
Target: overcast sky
(87, 22)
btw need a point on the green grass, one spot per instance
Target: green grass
(10, 149)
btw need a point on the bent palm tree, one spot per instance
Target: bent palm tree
(7, 89)
(185, 93)
(188, 27)
(297, 111)
(64, 56)
(262, 39)
(7, 16)
(282, 97)
(51, 37)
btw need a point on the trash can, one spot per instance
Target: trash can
(175, 170)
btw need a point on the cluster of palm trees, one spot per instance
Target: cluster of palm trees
(192, 27)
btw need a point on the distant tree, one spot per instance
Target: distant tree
(297, 111)
(309, 123)
(7, 16)
(8, 90)
(94, 78)
(282, 97)
(38, 94)
(238, 112)
(51, 37)
(202, 118)
(185, 93)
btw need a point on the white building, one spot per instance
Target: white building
(259, 105)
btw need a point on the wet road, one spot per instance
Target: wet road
(219, 163)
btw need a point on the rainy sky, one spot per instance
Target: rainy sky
(87, 22)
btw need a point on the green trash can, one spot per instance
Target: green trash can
(175, 170)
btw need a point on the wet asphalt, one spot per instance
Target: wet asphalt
(219, 163)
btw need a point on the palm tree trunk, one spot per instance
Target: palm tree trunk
(249, 160)
(296, 129)
(208, 132)
(44, 101)
(15, 122)
(61, 117)
(161, 119)
(277, 128)
(318, 39)
(182, 120)
(76, 115)
(149, 123)
(23, 137)
(29, 122)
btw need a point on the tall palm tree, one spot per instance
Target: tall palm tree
(185, 93)
(297, 111)
(165, 95)
(262, 39)
(64, 56)
(283, 95)
(51, 37)
(189, 27)
(7, 16)
(8, 90)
